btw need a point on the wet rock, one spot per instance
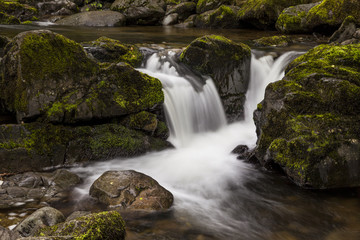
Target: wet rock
(56, 8)
(15, 9)
(293, 19)
(170, 19)
(131, 190)
(8, 19)
(309, 121)
(228, 64)
(207, 5)
(41, 218)
(262, 14)
(345, 32)
(104, 225)
(5, 234)
(77, 214)
(183, 10)
(94, 19)
(141, 12)
(223, 17)
(278, 41)
(105, 49)
(242, 151)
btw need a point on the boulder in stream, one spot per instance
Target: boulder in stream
(131, 190)
(222, 17)
(228, 63)
(308, 123)
(94, 19)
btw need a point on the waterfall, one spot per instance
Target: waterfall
(188, 110)
(210, 186)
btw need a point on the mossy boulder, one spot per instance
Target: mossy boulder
(184, 10)
(324, 17)
(228, 63)
(309, 122)
(207, 5)
(262, 14)
(103, 225)
(8, 19)
(50, 78)
(293, 19)
(23, 12)
(141, 12)
(104, 18)
(35, 146)
(131, 190)
(105, 49)
(278, 41)
(223, 17)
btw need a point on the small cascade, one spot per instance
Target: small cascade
(189, 109)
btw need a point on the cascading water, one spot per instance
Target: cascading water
(209, 184)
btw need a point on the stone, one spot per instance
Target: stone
(5, 234)
(207, 5)
(222, 17)
(131, 190)
(46, 216)
(183, 10)
(277, 41)
(309, 121)
(103, 225)
(345, 32)
(228, 63)
(94, 19)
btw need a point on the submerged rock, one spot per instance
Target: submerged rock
(94, 19)
(228, 64)
(309, 122)
(131, 190)
(103, 225)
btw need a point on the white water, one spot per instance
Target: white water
(201, 172)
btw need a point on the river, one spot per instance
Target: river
(216, 195)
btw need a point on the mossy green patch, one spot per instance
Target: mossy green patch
(273, 41)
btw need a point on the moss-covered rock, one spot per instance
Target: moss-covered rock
(207, 5)
(309, 121)
(8, 19)
(263, 14)
(223, 17)
(141, 12)
(293, 19)
(55, 80)
(324, 17)
(228, 64)
(131, 190)
(105, 49)
(278, 41)
(23, 12)
(103, 225)
(184, 10)
(35, 146)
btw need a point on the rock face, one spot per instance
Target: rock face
(103, 225)
(228, 64)
(41, 218)
(263, 14)
(324, 17)
(94, 19)
(309, 122)
(49, 80)
(32, 187)
(131, 190)
(141, 12)
(16, 12)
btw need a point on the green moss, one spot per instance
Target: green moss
(103, 225)
(8, 19)
(273, 41)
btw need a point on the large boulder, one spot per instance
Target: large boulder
(103, 225)
(23, 12)
(131, 190)
(228, 63)
(263, 14)
(141, 12)
(308, 123)
(50, 8)
(8, 19)
(222, 17)
(35, 146)
(94, 19)
(43, 217)
(105, 49)
(47, 76)
(324, 17)
(207, 5)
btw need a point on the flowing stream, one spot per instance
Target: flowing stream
(216, 195)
